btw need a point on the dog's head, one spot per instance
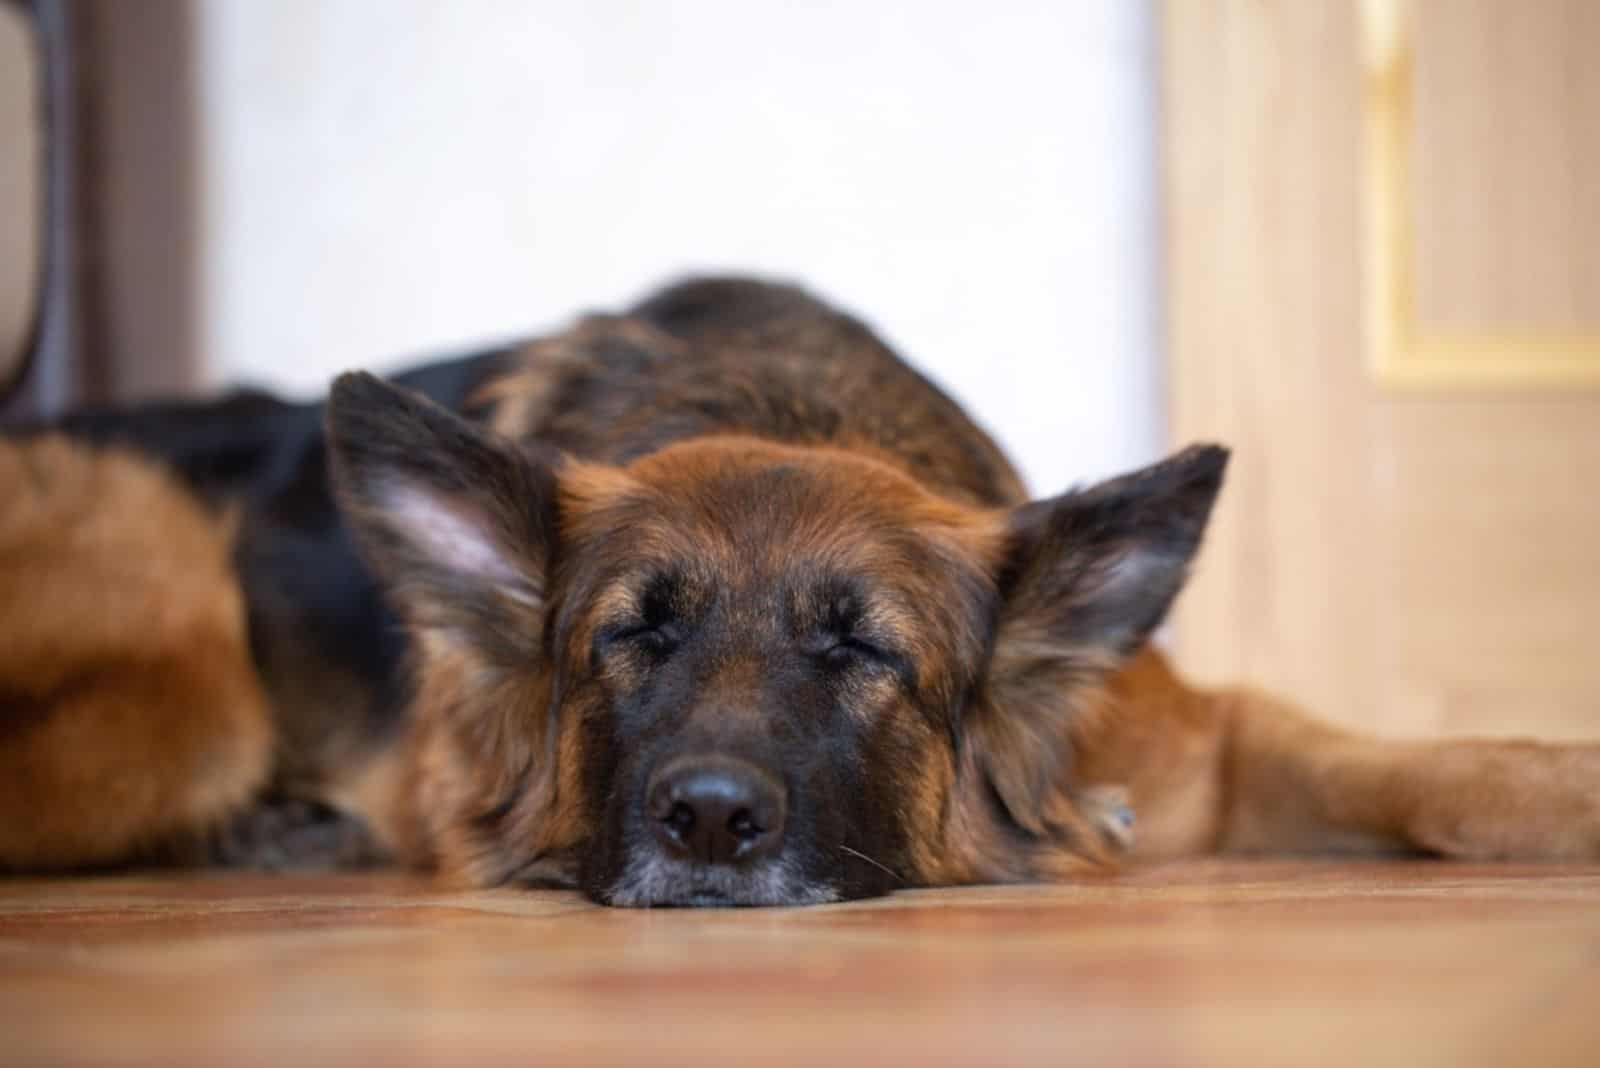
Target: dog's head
(735, 672)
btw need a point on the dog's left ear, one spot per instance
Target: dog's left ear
(1086, 577)
(1092, 572)
(459, 524)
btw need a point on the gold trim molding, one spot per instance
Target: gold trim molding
(1401, 356)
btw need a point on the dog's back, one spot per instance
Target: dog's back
(731, 356)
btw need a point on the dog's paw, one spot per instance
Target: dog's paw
(1110, 811)
(288, 834)
(1485, 800)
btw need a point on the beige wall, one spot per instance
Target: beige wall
(20, 186)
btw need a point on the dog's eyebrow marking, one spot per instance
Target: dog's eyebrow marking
(652, 595)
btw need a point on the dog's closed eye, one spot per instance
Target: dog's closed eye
(651, 623)
(658, 640)
(844, 650)
(849, 637)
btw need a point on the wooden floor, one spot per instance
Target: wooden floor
(1234, 963)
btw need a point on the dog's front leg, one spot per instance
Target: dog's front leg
(1297, 785)
(1238, 771)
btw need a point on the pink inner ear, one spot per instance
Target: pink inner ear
(451, 533)
(1124, 573)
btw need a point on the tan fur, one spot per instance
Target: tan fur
(1240, 771)
(129, 708)
(488, 795)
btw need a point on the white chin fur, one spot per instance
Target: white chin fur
(657, 880)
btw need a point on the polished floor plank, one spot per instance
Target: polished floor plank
(1224, 963)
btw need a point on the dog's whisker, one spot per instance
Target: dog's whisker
(881, 867)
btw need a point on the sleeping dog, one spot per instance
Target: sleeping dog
(716, 601)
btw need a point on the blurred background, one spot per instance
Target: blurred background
(287, 190)
(1357, 240)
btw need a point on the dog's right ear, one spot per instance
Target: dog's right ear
(459, 524)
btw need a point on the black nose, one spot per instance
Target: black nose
(716, 809)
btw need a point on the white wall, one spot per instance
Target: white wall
(382, 179)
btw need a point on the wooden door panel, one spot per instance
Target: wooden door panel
(1507, 95)
(1409, 556)
(1493, 557)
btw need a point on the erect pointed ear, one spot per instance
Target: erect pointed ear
(1087, 576)
(459, 524)
(1091, 573)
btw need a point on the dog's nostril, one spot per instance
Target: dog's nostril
(742, 825)
(680, 819)
(716, 809)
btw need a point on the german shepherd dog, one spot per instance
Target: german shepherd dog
(714, 602)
